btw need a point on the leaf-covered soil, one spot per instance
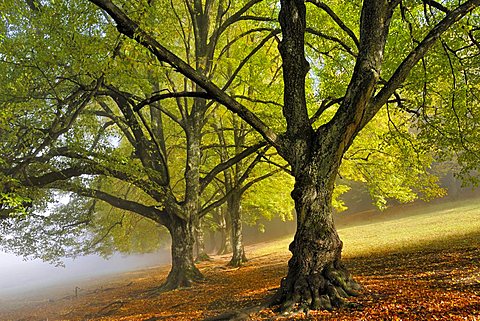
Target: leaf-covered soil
(415, 263)
(433, 282)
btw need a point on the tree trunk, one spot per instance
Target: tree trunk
(317, 278)
(224, 227)
(183, 272)
(201, 254)
(212, 242)
(226, 243)
(234, 209)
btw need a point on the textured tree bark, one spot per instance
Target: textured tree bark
(234, 208)
(317, 278)
(183, 272)
(226, 244)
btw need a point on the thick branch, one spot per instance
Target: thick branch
(150, 212)
(52, 177)
(437, 5)
(292, 18)
(87, 166)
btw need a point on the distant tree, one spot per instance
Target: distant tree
(236, 183)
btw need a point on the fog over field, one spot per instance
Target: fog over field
(18, 278)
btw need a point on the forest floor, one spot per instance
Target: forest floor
(414, 264)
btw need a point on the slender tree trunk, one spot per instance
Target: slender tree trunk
(212, 235)
(317, 278)
(201, 254)
(225, 228)
(183, 272)
(234, 208)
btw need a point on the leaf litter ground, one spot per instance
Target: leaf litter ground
(433, 281)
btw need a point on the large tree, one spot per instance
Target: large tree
(101, 113)
(316, 276)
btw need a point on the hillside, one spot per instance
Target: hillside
(415, 263)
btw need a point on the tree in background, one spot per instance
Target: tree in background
(235, 180)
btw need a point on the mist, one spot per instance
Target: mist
(20, 279)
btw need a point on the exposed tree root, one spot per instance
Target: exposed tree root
(317, 291)
(202, 257)
(182, 279)
(238, 261)
(178, 279)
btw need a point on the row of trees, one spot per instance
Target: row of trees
(170, 110)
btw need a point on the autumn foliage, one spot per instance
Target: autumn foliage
(436, 281)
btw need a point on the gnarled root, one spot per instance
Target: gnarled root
(202, 257)
(178, 279)
(238, 260)
(317, 291)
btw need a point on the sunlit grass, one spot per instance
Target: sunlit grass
(439, 225)
(453, 224)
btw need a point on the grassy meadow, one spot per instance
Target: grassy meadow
(403, 228)
(415, 262)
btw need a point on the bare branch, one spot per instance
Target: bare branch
(337, 20)
(159, 97)
(240, 36)
(416, 54)
(332, 38)
(259, 179)
(232, 161)
(238, 184)
(108, 113)
(247, 58)
(231, 20)
(260, 101)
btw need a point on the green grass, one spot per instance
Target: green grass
(454, 224)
